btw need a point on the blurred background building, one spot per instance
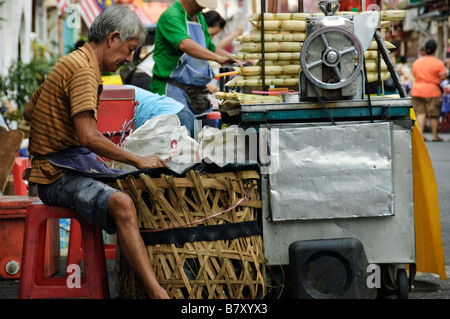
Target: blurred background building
(59, 24)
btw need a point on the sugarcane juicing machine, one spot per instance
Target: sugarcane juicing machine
(338, 191)
(331, 58)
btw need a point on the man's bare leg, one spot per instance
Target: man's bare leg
(121, 209)
(421, 119)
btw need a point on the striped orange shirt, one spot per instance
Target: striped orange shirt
(73, 86)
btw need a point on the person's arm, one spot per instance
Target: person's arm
(29, 110)
(83, 94)
(30, 106)
(222, 52)
(443, 73)
(92, 139)
(212, 88)
(228, 39)
(195, 50)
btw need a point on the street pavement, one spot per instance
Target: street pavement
(426, 285)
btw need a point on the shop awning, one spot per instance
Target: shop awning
(89, 10)
(148, 12)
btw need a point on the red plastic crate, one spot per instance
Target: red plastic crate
(13, 211)
(116, 108)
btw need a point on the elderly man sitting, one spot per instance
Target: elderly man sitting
(64, 139)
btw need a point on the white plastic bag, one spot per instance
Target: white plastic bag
(222, 146)
(163, 136)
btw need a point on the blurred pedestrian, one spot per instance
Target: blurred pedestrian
(426, 92)
(216, 24)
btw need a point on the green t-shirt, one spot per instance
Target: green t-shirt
(170, 31)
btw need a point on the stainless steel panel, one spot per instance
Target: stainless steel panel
(342, 171)
(387, 239)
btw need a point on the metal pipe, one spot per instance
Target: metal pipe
(263, 50)
(379, 58)
(385, 53)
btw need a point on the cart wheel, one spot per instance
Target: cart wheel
(387, 283)
(402, 284)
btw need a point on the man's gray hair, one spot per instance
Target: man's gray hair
(117, 18)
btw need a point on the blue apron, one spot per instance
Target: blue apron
(84, 161)
(190, 71)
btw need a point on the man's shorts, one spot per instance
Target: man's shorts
(87, 196)
(430, 106)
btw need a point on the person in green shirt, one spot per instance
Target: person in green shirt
(183, 49)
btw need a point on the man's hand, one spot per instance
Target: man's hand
(159, 293)
(224, 57)
(151, 161)
(195, 50)
(225, 60)
(92, 139)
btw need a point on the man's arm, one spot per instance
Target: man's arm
(92, 139)
(29, 110)
(31, 105)
(195, 50)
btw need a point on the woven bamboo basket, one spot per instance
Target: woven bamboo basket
(226, 268)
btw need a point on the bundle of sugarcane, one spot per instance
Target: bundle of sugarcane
(373, 76)
(247, 98)
(371, 53)
(230, 102)
(386, 15)
(279, 63)
(286, 73)
(284, 34)
(292, 79)
(272, 37)
(283, 39)
(270, 69)
(393, 15)
(267, 56)
(279, 67)
(287, 25)
(256, 80)
(255, 47)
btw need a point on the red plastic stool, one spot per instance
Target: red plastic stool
(33, 284)
(20, 164)
(75, 249)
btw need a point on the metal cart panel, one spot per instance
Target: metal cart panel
(386, 239)
(325, 172)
